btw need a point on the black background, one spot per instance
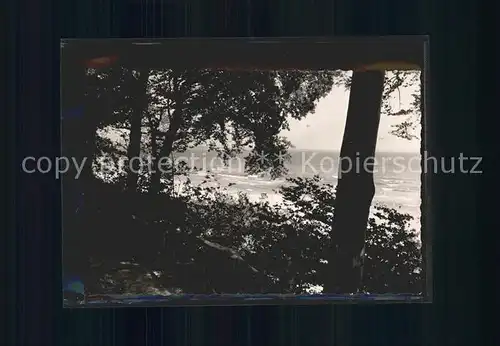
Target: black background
(33, 246)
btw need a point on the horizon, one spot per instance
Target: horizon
(323, 129)
(378, 152)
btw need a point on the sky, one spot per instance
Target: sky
(324, 129)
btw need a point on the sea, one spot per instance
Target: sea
(396, 176)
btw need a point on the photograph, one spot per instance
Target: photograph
(240, 182)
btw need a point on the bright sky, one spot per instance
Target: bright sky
(325, 128)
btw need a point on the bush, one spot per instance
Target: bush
(207, 241)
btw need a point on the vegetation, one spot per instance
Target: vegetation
(132, 227)
(395, 81)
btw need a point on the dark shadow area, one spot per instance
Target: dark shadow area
(128, 228)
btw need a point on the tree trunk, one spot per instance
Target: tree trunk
(165, 151)
(154, 145)
(78, 129)
(167, 146)
(355, 189)
(138, 107)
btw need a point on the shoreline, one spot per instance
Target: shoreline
(254, 194)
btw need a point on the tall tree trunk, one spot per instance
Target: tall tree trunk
(154, 144)
(155, 137)
(165, 151)
(72, 94)
(355, 189)
(139, 105)
(78, 127)
(176, 120)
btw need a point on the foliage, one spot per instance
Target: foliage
(286, 244)
(226, 110)
(203, 239)
(393, 257)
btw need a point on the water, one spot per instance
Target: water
(396, 176)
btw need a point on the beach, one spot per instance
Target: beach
(396, 176)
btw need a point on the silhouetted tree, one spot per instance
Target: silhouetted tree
(201, 243)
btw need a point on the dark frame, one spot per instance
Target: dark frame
(257, 53)
(272, 54)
